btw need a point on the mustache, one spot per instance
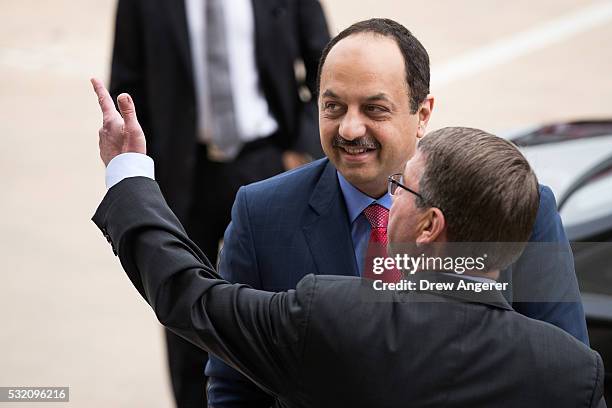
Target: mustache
(367, 142)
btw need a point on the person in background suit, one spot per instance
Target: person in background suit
(216, 86)
(374, 104)
(334, 341)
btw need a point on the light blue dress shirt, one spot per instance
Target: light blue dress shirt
(356, 202)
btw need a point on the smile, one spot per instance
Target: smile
(356, 150)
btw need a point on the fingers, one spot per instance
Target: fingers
(127, 108)
(104, 99)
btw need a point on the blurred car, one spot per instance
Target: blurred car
(575, 160)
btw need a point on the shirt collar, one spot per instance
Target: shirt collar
(356, 201)
(472, 277)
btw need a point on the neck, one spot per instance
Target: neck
(375, 190)
(494, 274)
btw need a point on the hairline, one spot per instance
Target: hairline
(373, 33)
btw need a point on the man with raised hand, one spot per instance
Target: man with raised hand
(326, 343)
(374, 104)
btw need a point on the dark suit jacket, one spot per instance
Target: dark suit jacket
(296, 223)
(328, 344)
(152, 62)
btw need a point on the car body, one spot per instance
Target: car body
(575, 160)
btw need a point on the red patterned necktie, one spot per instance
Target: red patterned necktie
(378, 217)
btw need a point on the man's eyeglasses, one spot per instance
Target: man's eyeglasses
(397, 180)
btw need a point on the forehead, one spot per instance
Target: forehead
(415, 166)
(365, 63)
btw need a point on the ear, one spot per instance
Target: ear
(424, 115)
(431, 227)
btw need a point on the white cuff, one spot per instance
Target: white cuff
(129, 165)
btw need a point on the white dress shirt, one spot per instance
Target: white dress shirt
(129, 165)
(252, 112)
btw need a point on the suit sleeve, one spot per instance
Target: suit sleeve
(128, 72)
(258, 333)
(313, 37)
(237, 263)
(543, 279)
(598, 398)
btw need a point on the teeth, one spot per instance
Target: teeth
(355, 150)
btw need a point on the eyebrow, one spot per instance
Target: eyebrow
(329, 94)
(378, 97)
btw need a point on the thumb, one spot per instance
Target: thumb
(127, 109)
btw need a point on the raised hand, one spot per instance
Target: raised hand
(120, 132)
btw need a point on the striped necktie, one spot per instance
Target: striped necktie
(224, 142)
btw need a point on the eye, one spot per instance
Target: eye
(333, 109)
(376, 109)
(331, 106)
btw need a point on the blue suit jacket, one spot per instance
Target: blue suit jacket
(296, 223)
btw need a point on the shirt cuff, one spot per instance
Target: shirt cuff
(129, 165)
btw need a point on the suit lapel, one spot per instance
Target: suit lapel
(178, 20)
(326, 228)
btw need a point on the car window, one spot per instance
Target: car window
(590, 202)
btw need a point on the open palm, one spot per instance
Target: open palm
(120, 132)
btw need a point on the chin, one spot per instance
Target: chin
(364, 172)
(358, 177)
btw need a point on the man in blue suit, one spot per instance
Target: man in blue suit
(374, 105)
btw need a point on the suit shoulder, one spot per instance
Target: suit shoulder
(306, 173)
(549, 339)
(133, 3)
(293, 184)
(577, 358)
(548, 226)
(547, 198)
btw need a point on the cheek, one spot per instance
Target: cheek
(401, 222)
(396, 218)
(327, 130)
(399, 147)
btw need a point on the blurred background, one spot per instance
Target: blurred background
(69, 315)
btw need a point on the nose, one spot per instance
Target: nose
(352, 125)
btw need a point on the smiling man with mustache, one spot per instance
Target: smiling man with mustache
(370, 114)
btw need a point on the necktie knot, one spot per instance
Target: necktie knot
(377, 215)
